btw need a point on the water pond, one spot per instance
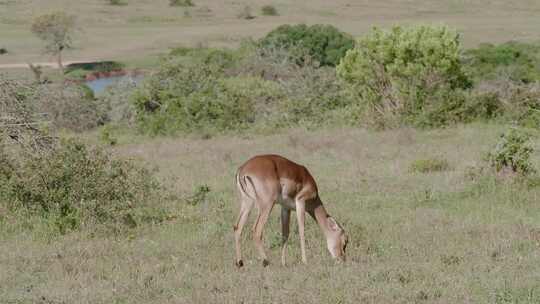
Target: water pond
(99, 85)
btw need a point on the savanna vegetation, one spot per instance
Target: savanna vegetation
(426, 151)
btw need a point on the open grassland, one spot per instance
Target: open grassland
(428, 221)
(145, 28)
(432, 237)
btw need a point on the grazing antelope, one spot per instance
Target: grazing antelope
(268, 179)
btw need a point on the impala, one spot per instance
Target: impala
(265, 180)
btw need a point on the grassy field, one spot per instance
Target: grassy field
(425, 224)
(139, 31)
(436, 237)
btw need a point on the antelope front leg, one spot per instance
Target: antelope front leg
(285, 220)
(301, 216)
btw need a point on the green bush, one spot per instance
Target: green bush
(117, 2)
(186, 96)
(70, 107)
(516, 60)
(117, 100)
(517, 103)
(311, 95)
(64, 106)
(407, 75)
(77, 74)
(220, 58)
(3, 51)
(186, 3)
(512, 153)
(429, 165)
(482, 105)
(522, 104)
(323, 43)
(106, 136)
(75, 186)
(269, 10)
(215, 90)
(310, 90)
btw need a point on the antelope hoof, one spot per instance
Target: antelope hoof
(239, 264)
(265, 263)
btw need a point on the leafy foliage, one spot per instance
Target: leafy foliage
(69, 183)
(117, 101)
(407, 75)
(98, 67)
(70, 107)
(514, 102)
(189, 96)
(514, 60)
(323, 43)
(77, 186)
(252, 87)
(512, 152)
(117, 2)
(20, 121)
(186, 3)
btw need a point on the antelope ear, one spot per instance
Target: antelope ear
(333, 224)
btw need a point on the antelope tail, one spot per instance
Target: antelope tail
(241, 183)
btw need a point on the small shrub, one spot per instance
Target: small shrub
(323, 43)
(522, 104)
(199, 196)
(245, 13)
(219, 58)
(269, 10)
(517, 103)
(407, 75)
(117, 2)
(3, 51)
(117, 100)
(512, 153)
(429, 165)
(106, 136)
(483, 106)
(185, 3)
(77, 74)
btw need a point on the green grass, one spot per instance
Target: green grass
(429, 165)
(442, 237)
